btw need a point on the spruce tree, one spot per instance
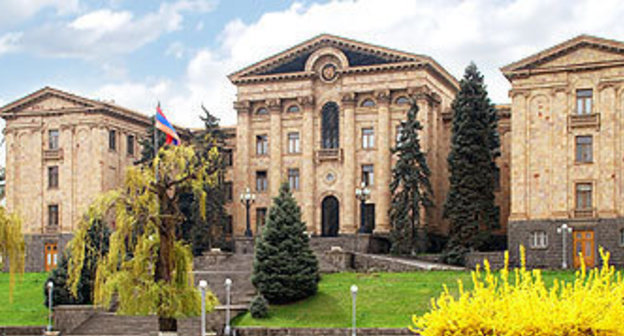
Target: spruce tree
(475, 144)
(285, 268)
(410, 188)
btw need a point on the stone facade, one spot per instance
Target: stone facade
(288, 95)
(51, 129)
(566, 157)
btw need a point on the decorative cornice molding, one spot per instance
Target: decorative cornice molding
(523, 92)
(242, 106)
(274, 104)
(349, 99)
(383, 96)
(305, 101)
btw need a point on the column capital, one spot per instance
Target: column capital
(383, 97)
(242, 106)
(522, 92)
(274, 104)
(349, 99)
(306, 101)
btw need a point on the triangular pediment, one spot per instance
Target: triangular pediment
(581, 51)
(48, 99)
(357, 54)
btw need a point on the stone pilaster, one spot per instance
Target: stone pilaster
(383, 166)
(308, 171)
(349, 168)
(242, 173)
(519, 152)
(275, 146)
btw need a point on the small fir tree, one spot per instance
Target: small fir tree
(410, 188)
(285, 268)
(475, 145)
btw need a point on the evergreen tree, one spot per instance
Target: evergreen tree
(285, 268)
(475, 144)
(410, 188)
(99, 235)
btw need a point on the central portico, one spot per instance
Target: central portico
(323, 116)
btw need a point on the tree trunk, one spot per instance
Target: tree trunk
(164, 265)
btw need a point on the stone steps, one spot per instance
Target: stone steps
(111, 324)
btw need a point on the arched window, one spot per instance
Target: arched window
(402, 100)
(330, 126)
(262, 111)
(368, 103)
(293, 109)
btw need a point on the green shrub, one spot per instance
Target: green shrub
(259, 307)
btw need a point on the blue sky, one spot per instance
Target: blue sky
(138, 52)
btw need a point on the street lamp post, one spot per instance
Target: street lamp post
(202, 288)
(564, 230)
(362, 193)
(354, 290)
(228, 285)
(50, 288)
(247, 198)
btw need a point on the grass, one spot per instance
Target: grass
(27, 307)
(383, 300)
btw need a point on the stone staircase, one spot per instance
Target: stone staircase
(215, 267)
(105, 323)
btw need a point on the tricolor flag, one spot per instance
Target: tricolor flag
(164, 126)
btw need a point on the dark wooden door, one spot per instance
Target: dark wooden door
(330, 216)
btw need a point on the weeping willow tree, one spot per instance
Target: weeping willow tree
(11, 246)
(148, 266)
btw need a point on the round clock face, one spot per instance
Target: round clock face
(328, 72)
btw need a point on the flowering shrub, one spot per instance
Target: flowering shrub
(521, 304)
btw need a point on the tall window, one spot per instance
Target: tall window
(53, 215)
(112, 140)
(260, 218)
(368, 174)
(539, 239)
(584, 148)
(130, 145)
(227, 191)
(293, 178)
(583, 196)
(330, 132)
(53, 139)
(293, 142)
(227, 157)
(262, 182)
(262, 144)
(53, 177)
(622, 237)
(368, 138)
(584, 101)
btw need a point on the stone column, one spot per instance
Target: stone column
(349, 173)
(382, 166)
(519, 153)
(241, 167)
(308, 171)
(275, 146)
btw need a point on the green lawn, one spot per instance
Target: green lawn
(384, 299)
(27, 307)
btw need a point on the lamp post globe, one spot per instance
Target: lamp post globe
(354, 290)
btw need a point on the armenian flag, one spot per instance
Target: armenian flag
(165, 126)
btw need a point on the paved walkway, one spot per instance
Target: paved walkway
(413, 263)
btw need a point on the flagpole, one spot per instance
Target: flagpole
(156, 146)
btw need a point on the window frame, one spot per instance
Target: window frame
(261, 111)
(584, 101)
(621, 237)
(294, 142)
(584, 149)
(368, 102)
(130, 141)
(368, 174)
(538, 239)
(54, 144)
(262, 181)
(402, 100)
(294, 179)
(112, 140)
(293, 109)
(261, 216)
(53, 177)
(228, 191)
(588, 194)
(53, 223)
(262, 145)
(368, 137)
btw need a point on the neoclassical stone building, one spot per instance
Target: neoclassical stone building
(568, 152)
(324, 115)
(61, 151)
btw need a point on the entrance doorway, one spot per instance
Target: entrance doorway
(50, 256)
(330, 216)
(584, 243)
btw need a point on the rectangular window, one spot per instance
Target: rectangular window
(53, 177)
(293, 178)
(228, 225)
(262, 144)
(130, 145)
(539, 239)
(53, 139)
(112, 140)
(227, 157)
(368, 138)
(53, 215)
(583, 196)
(368, 175)
(622, 237)
(227, 191)
(260, 218)
(584, 101)
(584, 151)
(262, 183)
(293, 142)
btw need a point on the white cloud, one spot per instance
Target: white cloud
(103, 33)
(9, 42)
(453, 32)
(14, 11)
(176, 49)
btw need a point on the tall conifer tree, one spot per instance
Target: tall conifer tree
(475, 144)
(410, 188)
(285, 268)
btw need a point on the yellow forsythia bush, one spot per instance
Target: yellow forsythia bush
(522, 304)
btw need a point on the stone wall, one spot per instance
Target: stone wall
(69, 317)
(34, 259)
(262, 331)
(496, 259)
(22, 330)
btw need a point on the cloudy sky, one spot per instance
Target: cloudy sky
(179, 52)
